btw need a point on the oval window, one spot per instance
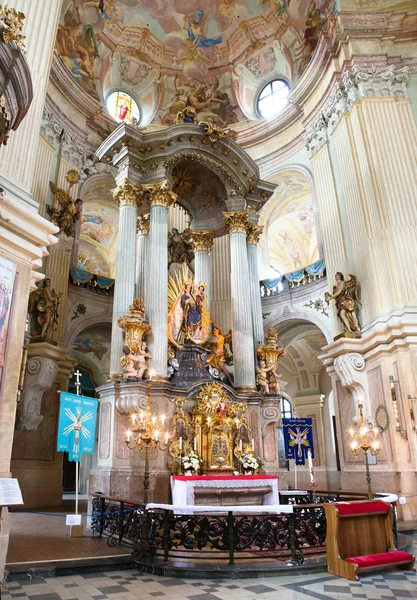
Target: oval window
(123, 108)
(273, 98)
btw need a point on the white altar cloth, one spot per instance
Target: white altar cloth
(270, 509)
(182, 487)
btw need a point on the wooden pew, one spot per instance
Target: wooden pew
(359, 537)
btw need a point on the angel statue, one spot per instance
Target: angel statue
(68, 211)
(344, 294)
(45, 302)
(219, 356)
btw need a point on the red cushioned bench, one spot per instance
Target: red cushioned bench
(359, 537)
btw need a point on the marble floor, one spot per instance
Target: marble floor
(132, 585)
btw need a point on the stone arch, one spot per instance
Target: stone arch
(302, 315)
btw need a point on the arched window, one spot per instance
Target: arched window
(273, 98)
(123, 108)
(286, 413)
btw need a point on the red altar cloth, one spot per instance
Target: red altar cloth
(221, 477)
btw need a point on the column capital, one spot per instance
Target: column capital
(253, 233)
(237, 222)
(160, 194)
(142, 225)
(202, 240)
(128, 194)
(317, 135)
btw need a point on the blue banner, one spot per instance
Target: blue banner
(76, 425)
(298, 439)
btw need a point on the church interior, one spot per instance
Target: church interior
(208, 318)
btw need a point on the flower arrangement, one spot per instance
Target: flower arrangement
(191, 462)
(249, 462)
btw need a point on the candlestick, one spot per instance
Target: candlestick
(180, 443)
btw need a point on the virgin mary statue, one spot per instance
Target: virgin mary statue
(187, 316)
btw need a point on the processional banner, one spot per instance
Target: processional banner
(76, 425)
(298, 439)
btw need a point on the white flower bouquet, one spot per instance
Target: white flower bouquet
(191, 462)
(249, 462)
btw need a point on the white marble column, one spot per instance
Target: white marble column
(161, 198)
(128, 196)
(17, 159)
(202, 242)
(243, 350)
(253, 235)
(141, 254)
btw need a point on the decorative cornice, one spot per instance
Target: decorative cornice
(201, 240)
(358, 83)
(237, 222)
(128, 194)
(160, 194)
(142, 226)
(253, 233)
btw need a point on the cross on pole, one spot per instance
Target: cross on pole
(78, 383)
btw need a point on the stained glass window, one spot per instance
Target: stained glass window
(123, 108)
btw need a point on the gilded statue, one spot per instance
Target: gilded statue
(219, 356)
(345, 293)
(179, 249)
(66, 211)
(267, 376)
(44, 301)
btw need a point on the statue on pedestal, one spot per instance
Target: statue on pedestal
(345, 293)
(66, 211)
(267, 377)
(219, 356)
(44, 303)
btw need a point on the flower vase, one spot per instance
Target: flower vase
(248, 472)
(188, 473)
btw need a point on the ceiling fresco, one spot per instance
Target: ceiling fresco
(170, 52)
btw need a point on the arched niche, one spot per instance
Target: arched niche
(91, 347)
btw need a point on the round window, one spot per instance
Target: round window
(123, 108)
(273, 98)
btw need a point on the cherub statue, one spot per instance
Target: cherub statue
(45, 301)
(140, 357)
(69, 211)
(219, 356)
(273, 380)
(128, 361)
(344, 294)
(262, 377)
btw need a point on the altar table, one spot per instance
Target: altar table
(183, 486)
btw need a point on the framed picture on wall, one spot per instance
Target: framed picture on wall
(7, 280)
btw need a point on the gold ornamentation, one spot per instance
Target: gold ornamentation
(128, 194)
(72, 177)
(134, 325)
(254, 233)
(214, 133)
(267, 378)
(12, 21)
(189, 111)
(345, 294)
(201, 240)
(180, 440)
(44, 303)
(142, 225)
(209, 399)
(66, 211)
(237, 222)
(160, 194)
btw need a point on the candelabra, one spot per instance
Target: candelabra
(365, 439)
(148, 429)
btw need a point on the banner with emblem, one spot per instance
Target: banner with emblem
(298, 439)
(76, 425)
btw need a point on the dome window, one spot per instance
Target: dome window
(123, 108)
(273, 98)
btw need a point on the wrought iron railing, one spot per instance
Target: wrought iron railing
(289, 537)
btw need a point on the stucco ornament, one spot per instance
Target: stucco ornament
(40, 376)
(350, 368)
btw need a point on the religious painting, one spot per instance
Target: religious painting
(7, 278)
(123, 108)
(99, 223)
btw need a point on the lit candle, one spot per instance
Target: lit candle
(156, 435)
(142, 416)
(163, 420)
(128, 434)
(166, 438)
(180, 443)
(133, 418)
(310, 465)
(240, 445)
(253, 444)
(195, 444)
(151, 373)
(208, 421)
(154, 419)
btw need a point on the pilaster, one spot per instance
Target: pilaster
(141, 253)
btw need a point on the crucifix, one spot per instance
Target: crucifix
(78, 383)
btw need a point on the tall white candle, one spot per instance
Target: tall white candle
(195, 444)
(240, 445)
(310, 466)
(253, 444)
(180, 443)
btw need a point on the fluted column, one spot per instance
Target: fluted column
(202, 242)
(17, 159)
(253, 235)
(128, 197)
(243, 350)
(141, 254)
(161, 198)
